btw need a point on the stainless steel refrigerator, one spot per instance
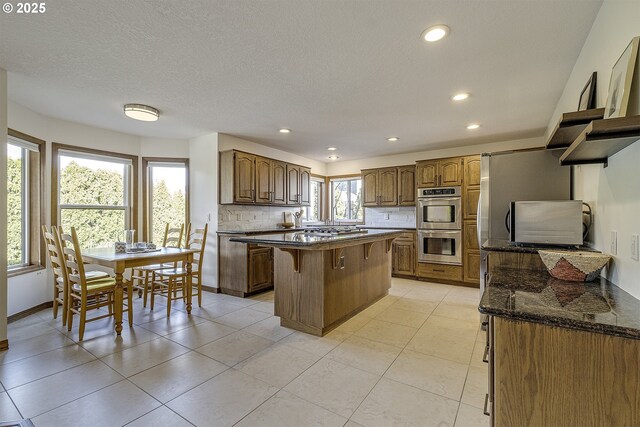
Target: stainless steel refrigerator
(515, 176)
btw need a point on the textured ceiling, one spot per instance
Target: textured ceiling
(345, 73)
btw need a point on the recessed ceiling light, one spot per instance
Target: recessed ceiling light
(460, 96)
(435, 33)
(331, 148)
(333, 157)
(141, 112)
(393, 139)
(285, 130)
(473, 126)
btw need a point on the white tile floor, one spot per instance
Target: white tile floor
(413, 359)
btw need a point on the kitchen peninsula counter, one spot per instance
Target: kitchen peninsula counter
(321, 281)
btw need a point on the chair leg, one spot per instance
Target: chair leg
(56, 295)
(140, 291)
(169, 289)
(110, 299)
(69, 315)
(83, 317)
(199, 286)
(146, 286)
(153, 287)
(65, 305)
(130, 304)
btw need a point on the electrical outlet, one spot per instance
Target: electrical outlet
(635, 247)
(614, 243)
(387, 216)
(238, 217)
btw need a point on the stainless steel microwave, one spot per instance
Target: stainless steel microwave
(552, 222)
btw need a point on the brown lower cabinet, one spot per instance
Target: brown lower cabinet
(427, 270)
(243, 269)
(541, 375)
(404, 255)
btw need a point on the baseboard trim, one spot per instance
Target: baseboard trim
(4, 345)
(211, 289)
(29, 311)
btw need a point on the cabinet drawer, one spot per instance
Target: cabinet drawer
(409, 236)
(440, 271)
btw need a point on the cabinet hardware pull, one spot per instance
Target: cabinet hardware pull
(485, 356)
(486, 403)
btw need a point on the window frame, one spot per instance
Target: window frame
(322, 200)
(147, 164)
(131, 182)
(331, 216)
(34, 177)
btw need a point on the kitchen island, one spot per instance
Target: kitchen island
(321, 281)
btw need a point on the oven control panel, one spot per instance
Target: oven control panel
(439, 192)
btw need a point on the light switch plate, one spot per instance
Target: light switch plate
(635, 247)
(614, 243)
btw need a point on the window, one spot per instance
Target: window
(166, 196)
(95, 194)
(24, 173)
(346, 199)
(314, 212)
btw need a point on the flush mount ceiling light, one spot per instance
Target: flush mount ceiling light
(141, 112)
(473, 126)
(333, 157)
(460, 96)
(331, 148)
(285, 130)
(393, 139)
(435, 33)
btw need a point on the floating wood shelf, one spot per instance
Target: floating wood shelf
(571, 125)
(602, 139)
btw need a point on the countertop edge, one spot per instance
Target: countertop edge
(326, 244)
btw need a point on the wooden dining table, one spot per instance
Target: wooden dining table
(119, 262)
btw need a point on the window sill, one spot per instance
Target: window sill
(24, 270)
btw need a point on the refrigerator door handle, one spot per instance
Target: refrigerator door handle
(479, 220)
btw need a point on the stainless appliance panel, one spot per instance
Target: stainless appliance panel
(440, 246)
(440, 213)
(556, 222)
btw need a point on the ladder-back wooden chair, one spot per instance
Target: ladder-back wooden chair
(60, 285)
(85, 295)
(171, 282)
(141, 276)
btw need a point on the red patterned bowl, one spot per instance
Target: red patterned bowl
(575, 266)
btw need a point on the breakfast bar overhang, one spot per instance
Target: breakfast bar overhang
(322, 281)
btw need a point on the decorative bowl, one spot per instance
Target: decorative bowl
(287, 224)
(575, 266)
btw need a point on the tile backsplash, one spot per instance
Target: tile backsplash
(402, 216)
(248, 217)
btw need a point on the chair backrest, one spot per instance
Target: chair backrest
(54, 252)
(172, 236)
(74, 265)
(197, 240)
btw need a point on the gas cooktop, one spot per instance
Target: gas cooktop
(333, 230)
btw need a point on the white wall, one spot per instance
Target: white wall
(613, 192)
(31, 289)
(354, 166)
(203, 198)
(3, 206)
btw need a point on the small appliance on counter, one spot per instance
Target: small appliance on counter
(549, 222)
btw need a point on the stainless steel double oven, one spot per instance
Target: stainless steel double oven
(440, 225)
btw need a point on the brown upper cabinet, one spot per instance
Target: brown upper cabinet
(471, 187)
(260, 180)
(388, 186)
(439, 173)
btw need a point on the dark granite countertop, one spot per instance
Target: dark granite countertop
(263, 231)
(367, 227)
(499, 245)
(301, 240)
(535, 296)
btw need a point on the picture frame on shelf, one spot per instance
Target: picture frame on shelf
(588, 95)
(621, 81)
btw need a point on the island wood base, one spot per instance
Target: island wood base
(317, 290)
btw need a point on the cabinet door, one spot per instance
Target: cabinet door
(305, 186)
(472, 171)
(427, 174)
(263, 180)
(244, 178)
(471, 266)
(260, 269)
(407, 185)
(370, 187)
(403, 258)
(470, 201)
(388, 186)
(293, 185)
(450, 171)
(279, 182)
(471, 235)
